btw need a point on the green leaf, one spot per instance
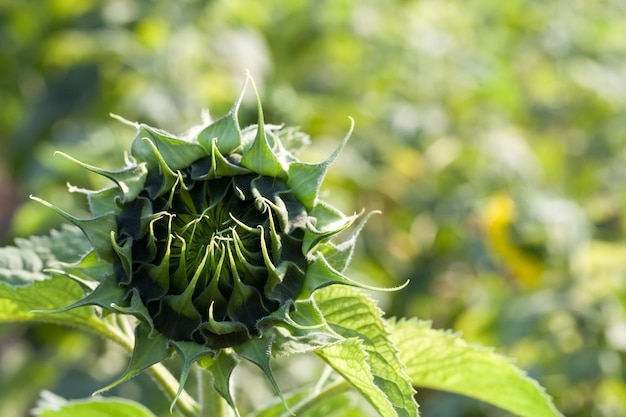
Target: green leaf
(97, 229)
(150, 348)
(341, 404)
(442, 360)
(292, 139)
(89, 269)
(220, 166)
(24, 263)
(258, 351)
(30, 302)
(101, 201)
(107, 293)
(225, 129)
(306, 179)
(351, 314)
(20, 266)
(221, 367)
(176, 152)
(349, 358)
(260, 157)
(130, 180)
(53, 406)
(67, 244)
(320, 274)
(299, 328)
(29, 294)
(329, 222)
(190, 352)
(339, 255)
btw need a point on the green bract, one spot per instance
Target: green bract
(215, 242)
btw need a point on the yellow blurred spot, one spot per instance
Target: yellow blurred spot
(70, 47)
(153, 32)
(612, 395)
(408, 162)
(69, 8)
(498, 214)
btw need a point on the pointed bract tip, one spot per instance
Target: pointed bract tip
(124, 121)
(258, 100)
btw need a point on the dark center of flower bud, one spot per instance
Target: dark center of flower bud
(218, 256)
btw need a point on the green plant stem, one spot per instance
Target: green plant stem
(211, 402)
(162, 376)
(338, 387)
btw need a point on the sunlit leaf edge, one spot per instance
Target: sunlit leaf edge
(442, 360)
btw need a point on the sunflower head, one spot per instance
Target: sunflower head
(215, 242)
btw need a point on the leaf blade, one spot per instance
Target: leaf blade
(52, 406)
(351, 314)
(43, 297)
(31, 302)
(442, 360)
(23, 263)
(349, 359)
(149, 349)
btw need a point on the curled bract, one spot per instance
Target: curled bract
(215, 241)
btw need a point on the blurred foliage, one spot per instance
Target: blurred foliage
(490, 134)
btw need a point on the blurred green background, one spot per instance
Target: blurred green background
(490, 134)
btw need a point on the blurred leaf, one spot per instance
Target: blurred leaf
(64, 245)
(20, 266)
(24, 263)
(32, 303)
(53, 406)
(74, 89)
(27, 293)
(442, 360)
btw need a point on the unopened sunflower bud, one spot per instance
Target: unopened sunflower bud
(216, 240)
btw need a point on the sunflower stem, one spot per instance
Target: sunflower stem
(185, 404)
(211, 402)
